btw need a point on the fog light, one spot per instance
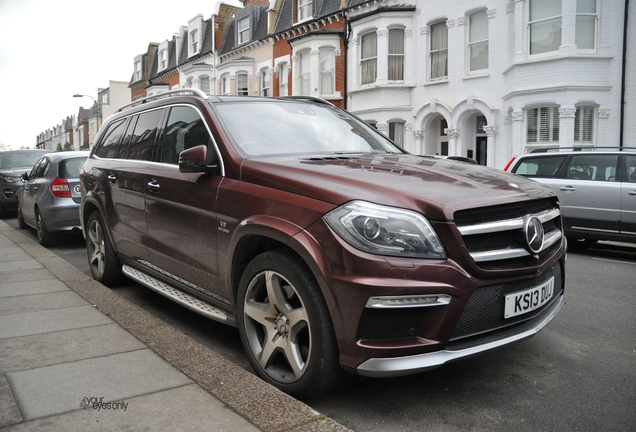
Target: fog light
(408, 301)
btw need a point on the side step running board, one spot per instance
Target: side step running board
(184, 299)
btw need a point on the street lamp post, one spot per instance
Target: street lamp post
(99, 110)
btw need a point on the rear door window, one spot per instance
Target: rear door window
(185, 129)
(112, 143)
(143, 137)
(631, 169)
(592, 167)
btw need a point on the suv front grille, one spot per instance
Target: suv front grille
(494, 236)
(485, 309)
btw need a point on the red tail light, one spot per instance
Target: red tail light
(59, 188)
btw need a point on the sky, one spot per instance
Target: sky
(53, 49)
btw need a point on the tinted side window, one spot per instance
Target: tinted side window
(185, 129)
(631, 169)
(43, 168)
(539, 166)
(35, 168)
(70, 168)
(111, 144)
(143, 138)
(593, 167)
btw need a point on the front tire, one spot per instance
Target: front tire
(102, 259)
(285, 326)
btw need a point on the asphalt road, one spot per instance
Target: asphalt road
(579, 373)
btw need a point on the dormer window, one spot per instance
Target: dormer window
(304, 9)
(137, 70)
(163, 60)
(194, 37)
(244, 30)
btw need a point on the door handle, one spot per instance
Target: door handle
(633, 193)
(153, 186)
(568, 188)
(112, 178)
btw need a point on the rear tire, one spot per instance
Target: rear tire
(102, 259)
(45, 237)
(285, 326)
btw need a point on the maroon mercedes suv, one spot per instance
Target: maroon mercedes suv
(330, 248)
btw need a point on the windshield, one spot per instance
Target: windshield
(19, 159)
(286, 127)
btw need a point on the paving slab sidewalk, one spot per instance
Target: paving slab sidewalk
(76, 356)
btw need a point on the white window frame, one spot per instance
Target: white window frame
(397, 126)
(225, 84)
(264, 79)
(194, 41)
(243, 32)
(138, 70)
(371, 59)
(204, 84)
(471, 44)
(304, 75)
(163, 60)
(305, 10)
(396, 56)
(283, 79)
(553, 131)
(246, 90)
(327, 72)
(585, 114)
(539, 22)
(595, 16)
(434, 52)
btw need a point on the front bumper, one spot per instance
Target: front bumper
(398, 366)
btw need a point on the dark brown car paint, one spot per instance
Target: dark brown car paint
(284, 199)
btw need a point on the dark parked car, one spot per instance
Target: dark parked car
(596, 190)
(50, 197)
(330, 248)
(12, 164)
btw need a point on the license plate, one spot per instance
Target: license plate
(525, 301)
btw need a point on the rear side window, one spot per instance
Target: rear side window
(111, 145)
(143, 137)
(539, 166)
(593, 167)
(70, 168)
(185, 129)
(631, 169)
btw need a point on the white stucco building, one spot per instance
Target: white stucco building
(488, 78)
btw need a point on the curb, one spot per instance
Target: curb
(262, 404)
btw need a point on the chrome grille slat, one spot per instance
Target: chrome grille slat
(515, 224)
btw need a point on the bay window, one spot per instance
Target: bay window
(543, 125)
(584, 124)
(304, 73)
(544, 26)
(439, 51)
(241, 84)
(368, 57)
(585, 34)
(327, 70)
(396, 54)
(478, 41)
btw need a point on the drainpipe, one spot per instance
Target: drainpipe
(620, 139)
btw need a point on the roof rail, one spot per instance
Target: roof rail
(581, 148)
(162, 95)
(309, 98)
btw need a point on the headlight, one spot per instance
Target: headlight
(385, 230)
(9, 179)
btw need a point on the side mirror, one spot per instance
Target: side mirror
(195, 159)
(25, 176)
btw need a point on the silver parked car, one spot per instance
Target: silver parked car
(596, 190)
(12, 164)
(49, 199)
